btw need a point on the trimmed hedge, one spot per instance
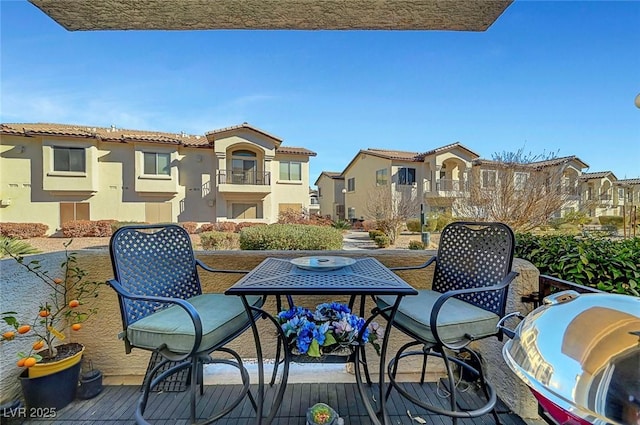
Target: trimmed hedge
(611, 220)
(189, 226)
(23, 230)
(417, 245)
(413, 225)
(219, 240)
(382, 241)
(608, 265)
(87, 228)
(290, 237)
(221, 226)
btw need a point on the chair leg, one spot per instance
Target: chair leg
(483, 382)
(452, 383)
(426, 351)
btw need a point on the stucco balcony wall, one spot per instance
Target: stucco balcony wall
(22, 292)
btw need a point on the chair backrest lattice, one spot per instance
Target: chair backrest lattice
(155, 260)
(473, 255)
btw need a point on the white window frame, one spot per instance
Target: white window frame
(287, 171)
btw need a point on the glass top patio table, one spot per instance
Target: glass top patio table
(281, 277)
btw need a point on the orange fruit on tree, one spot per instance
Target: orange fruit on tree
(76, 326)
(9, 335)
(57, 281)
(20, 362)
(38, 345)
(74, 303)
(44, 313)
(24, 329)
(30, 361)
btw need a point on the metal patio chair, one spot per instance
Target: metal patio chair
(164, 310)
(468, 298)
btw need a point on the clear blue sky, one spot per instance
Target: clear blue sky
(548, 77)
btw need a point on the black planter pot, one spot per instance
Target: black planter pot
(90, 384)
(51, 391)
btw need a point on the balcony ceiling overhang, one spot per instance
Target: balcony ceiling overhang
(452, 15)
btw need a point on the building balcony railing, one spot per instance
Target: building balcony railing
(449, 185)
(244, 177)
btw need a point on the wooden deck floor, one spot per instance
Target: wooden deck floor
(116, 405)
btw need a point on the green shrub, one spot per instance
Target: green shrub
(442, 221)
(341, 225)
(610, 220)
(431, 224)
(608, 265)
(290, 237)
(413, 225)
(569, 229)
(11, 246)
(382, 241)
(374, 233)
(219, 240)
(416, 245)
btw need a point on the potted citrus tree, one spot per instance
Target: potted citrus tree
(51, 362)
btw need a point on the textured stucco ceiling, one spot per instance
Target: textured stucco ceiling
(454, 15)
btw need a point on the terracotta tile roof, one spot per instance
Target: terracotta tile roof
(446, 148)
(119, 135)
(105, 134)
(535, 164)
(244, 125)
(628, 181)
(332, 174)
(559, 161)
(295, 151)
(597, 175)
(392, 154)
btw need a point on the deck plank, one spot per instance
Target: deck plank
(116, 406)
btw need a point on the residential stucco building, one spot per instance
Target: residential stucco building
(52, 173)
(440, 176)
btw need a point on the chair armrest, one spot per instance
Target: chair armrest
(433, 320)
(211, 269)
(185, 305)
(421, 266)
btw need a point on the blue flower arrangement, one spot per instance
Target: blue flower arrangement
(330, 328)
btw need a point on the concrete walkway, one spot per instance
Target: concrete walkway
(357, 240)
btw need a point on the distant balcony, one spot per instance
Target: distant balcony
(244, 181)
(447, 188)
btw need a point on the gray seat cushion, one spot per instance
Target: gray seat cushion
(456, 317)
(221, 316)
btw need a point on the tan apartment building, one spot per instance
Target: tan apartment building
(437, 177)
(330, 194)
(52, 173)
(441, 176)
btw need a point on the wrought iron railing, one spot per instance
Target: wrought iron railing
(244, 177)
(450, 185)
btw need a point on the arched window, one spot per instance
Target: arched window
(244, 167)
